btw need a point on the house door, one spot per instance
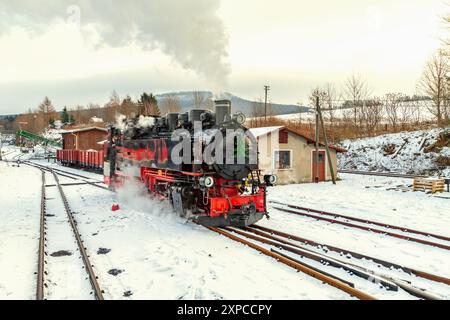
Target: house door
(321, 164)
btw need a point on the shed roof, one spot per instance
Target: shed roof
(84, 129)
(258, 132)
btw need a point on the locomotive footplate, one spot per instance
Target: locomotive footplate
(231, 220)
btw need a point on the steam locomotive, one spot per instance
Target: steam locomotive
(204, 162)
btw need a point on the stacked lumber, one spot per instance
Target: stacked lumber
(429, 184)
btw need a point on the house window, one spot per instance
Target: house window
(283, 137)
(321, 158)
(283, 159)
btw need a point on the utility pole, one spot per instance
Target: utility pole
(330, 163)
(319, 117)
(266, 90)
(316, 158)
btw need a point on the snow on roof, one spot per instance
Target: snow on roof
(258, 132)
(84, 129)
(96, 120)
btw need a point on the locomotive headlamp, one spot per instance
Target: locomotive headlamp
(270, 179)
(240, 118)
(207, 182)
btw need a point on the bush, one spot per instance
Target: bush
(443, 161)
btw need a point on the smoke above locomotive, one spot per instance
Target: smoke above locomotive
(192, 140)
(200, 33)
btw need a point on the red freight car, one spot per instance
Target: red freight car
(82, 148)
(90, 159)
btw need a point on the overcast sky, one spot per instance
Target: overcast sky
(79, 54)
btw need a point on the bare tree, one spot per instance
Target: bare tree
(27, 121)
(93, 110)
(79, 114)
(406, 111)
(170, 104)
(257, 113)
(111, 108)
(392, 104)
(330, 102)
(357, 91)
(373, 114)
(416, 111)
(318, 93)
(434, 83)
(45, 111)
(446, 20)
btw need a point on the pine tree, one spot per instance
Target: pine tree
(149, 105)
(65, 118)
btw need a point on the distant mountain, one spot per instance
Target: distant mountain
(238, 104)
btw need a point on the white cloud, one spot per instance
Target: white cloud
(188, 31)
(292, 45)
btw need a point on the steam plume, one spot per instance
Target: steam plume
(189, 30)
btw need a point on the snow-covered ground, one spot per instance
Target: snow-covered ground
(19, 230)
(371, 198)
(163, 257)
(160, 256)
(13, 153)
(53, 134)
(408, 153)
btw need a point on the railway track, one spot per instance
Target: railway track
(383, 174)
(377, 263)
(275, 243)
(344, 252)
(322, 276)
(42, 274)
(422, 237)
(7, 153)
(18, 157)
(74, 176)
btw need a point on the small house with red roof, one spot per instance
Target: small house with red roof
(290, 155)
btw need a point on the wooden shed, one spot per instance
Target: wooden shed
(290, 155)
(84, 139)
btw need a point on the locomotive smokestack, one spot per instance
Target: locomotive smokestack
(223, 111)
